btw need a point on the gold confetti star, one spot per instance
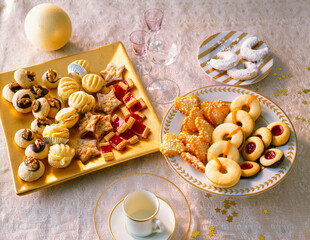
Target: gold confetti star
(229, 218)
(212, 228)
(261, 237)
(308, 68)
(280, 90)
(304, 102)
(285, 90)
(285, 94)
(235, 214)
(224, 211)
(233, 203)
(275, 74)
(280, 69)
(195, 234)
(299, 92)
(208, 195)
(283, 76)
(211, 233)
(297, 118)
(227, 206)
(226, 201)
(290, 75)
(303, 119)
(276, 94)
(217, 210)
(280, 78)
(265, 211)
(257, 89)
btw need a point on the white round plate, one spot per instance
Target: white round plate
(268, 177)
(230, 40)
(165, 215)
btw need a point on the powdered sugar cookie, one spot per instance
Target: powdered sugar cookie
(227, 60)
(171, 145)
(249, 71)
(185, 104)
(205, 129)
(247, 52)
(189, 121)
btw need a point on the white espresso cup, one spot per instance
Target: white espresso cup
(140, 210)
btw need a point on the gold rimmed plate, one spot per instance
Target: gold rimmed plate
(171, 197)
(230, 40)
(268, 177)
(12, 121)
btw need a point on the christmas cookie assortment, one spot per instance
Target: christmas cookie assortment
(214, 135)
(81, 116)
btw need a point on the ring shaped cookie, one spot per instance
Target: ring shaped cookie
(228, 130)
(265, 134)
(250, 54)
(22, 101)
(223, 149)
(280, 133)
(249, 71)
(253, 149)
(223, 180)
(227, 60)
(250, 102)
(244, 119)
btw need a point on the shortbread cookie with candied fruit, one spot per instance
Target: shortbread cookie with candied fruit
(51, 78)
(272, 157)
(280, 133)
(31, 169)
(40, 108)
(22, 101)
(188, 124)
(223, 149)
(25, 78)
(265, 134)
(38, 149)
(249, 169)
(253, 149)
(249, 102)
(171, 145)
(228, 131)
(194, 161)
(185, 104)
(24, 137)
(60, 155)
(9, 90)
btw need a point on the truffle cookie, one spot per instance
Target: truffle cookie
(264, 134)
(38, 149)
(60, 155)
(253, 149)
(22, 101)
(31, 169)
(55, 105)
(40, 108)
(24, 137)
(25, 78)
(68, 117)
(39, 124)
(280, 133)
(51, 78)
(38, 91)
(9, 90)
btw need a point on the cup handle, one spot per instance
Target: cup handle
(157, 226)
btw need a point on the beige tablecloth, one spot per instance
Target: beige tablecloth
(65, 211)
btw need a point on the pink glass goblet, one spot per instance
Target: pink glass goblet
(153, 19)
(137, 39)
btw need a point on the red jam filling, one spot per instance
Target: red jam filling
(138, 128)
(128, 98)
(277, 130)
(138, 106)
(135, 116)
(270, 155)
(246, 166)
(250, 147)
(260, 136)
(114, 141)
(117, 123)
(127, 135)
(106, 149)
(119, 92)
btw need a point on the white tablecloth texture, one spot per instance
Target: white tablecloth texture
(65, 211)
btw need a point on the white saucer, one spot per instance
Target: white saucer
(165, 215)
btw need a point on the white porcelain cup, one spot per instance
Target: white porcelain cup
(140, 210)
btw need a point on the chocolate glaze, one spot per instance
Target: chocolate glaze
(29, 138)
(15, 89)
(55, 78)
(28, 104)
(58, 102)
(33, 170)
(39, 107)
(31, 77)
(37, 149)
(44, 92)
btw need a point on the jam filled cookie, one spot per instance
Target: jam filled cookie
(249, 102)
(38, 149)
(272, 157)
(9, 90)
(38, 91)
(223, 149)
(39, 124)
(24, 137)
(226, 60)
(51, 78)
(249, 168)
(92, 83)
(228, 131)
(249, 71)
(25, 78)
(243, 119)
(55, 105)
(31, 169)
(67, 117)
(40, 108)
(253, 149)
(265, 134)
(60, 155)
(247, 52)
(22, 101)
(223, 172)
(280, 133)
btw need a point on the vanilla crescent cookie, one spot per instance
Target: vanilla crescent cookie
(60, 155)
(242, 118)
(66, 87)
(223, 172)
(78, 100)
(38, 149)
(25, 78)
(264, 134)
(223, 149)
(249, 71)
(250, 102)
(227, 60)
(9, 90)
(31, 169)
(92, 83)
(40, 108)
(22, 101)
(226, 131)
(247, 52)
(67, 117)
(56, 131)
(280, 133)
(51, 78)
(24, 137)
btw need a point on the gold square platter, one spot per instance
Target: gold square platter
(12, 120)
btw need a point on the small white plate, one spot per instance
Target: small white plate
(165, 215)
(231, 40)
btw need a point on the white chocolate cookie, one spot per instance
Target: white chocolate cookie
(25, 78)
(24, 137)
(40, 108)
(51, 78)
(9, 90)
(22, 101)
(60, 155)
(31, 169)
